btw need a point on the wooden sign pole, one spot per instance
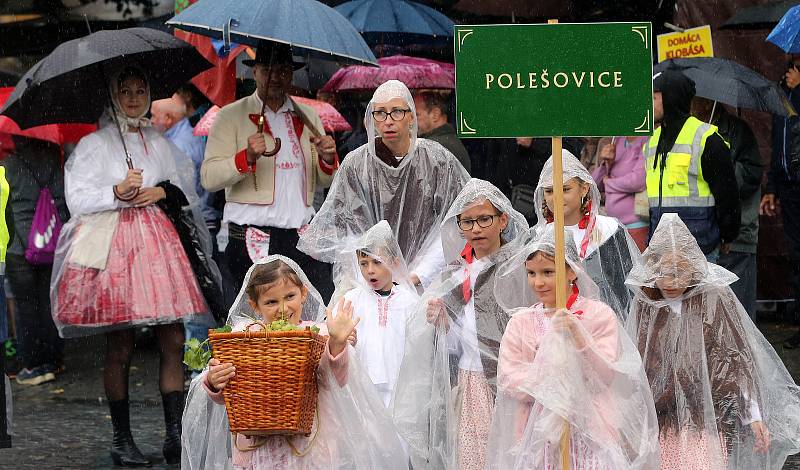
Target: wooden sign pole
(561, 272)
(558, 220)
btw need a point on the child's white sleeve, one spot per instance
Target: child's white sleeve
(753, 411)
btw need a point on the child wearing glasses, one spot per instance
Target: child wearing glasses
(446, 387)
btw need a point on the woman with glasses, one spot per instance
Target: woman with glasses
(479, 233)
(395, 176)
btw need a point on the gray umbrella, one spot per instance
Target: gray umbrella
(731, 83)
(71, 84)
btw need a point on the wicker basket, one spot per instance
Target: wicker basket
(274, 390)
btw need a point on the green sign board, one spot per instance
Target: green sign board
(543, 80)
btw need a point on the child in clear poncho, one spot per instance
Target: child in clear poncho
(351, 429)
(723, 398)
(376, 280)
(605, 248)
(445, 394)
(572, 366)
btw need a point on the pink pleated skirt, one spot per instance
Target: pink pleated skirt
(147, 278)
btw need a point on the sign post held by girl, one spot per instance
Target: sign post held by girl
(561, 272)
(546, 107)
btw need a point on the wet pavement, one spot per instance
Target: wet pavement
(65, 424)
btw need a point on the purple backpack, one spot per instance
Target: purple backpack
(45, 227)
(46, 223)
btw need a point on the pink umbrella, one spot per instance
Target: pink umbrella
(203, 126)
(415, 72)
(332, 121)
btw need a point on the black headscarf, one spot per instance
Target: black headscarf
(677, 91)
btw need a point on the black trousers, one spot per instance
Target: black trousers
(37, 338)
(790, 209)
(5, 439)
(281, 242)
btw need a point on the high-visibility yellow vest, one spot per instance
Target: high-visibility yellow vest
(4, 235)
(682, 184)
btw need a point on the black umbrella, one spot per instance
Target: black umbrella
(71, 84)
(731, 83)
(760, 16)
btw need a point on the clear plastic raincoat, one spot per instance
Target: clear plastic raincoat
(717, 383)
(412, 196)
(445, 392)
(591, 379)
(117, 265)
(353, 429)
(607, 250)
(384, 313)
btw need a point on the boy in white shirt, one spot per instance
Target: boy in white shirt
(384, 298)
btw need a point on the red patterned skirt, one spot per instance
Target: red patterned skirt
(147, 278)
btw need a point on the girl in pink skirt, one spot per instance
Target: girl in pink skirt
(456, 332)
(723, 398)
(120, 262)
(570, 383)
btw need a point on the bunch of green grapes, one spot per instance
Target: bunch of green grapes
(284, 325)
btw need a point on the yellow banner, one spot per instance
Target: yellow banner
(695, 42)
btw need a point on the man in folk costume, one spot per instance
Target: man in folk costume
(269, 153)
(689, 169)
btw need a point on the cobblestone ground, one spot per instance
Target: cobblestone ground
(65, 424)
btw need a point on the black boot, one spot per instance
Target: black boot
(173, 411)
(123, 450)
(5, 438)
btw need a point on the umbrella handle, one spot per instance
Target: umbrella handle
(135, 192)
(274, 152)
(226, 34)
(277, 149)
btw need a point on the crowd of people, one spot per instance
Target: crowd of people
(430, 267)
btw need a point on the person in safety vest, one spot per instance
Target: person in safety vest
(741, 260)
(6, 222)
(689, 169)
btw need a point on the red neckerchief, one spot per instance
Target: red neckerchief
(572, 298)
(296, 122)
(584, 222)
(587, 223)
(466, 287)
(298, 125)
(254, 118)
